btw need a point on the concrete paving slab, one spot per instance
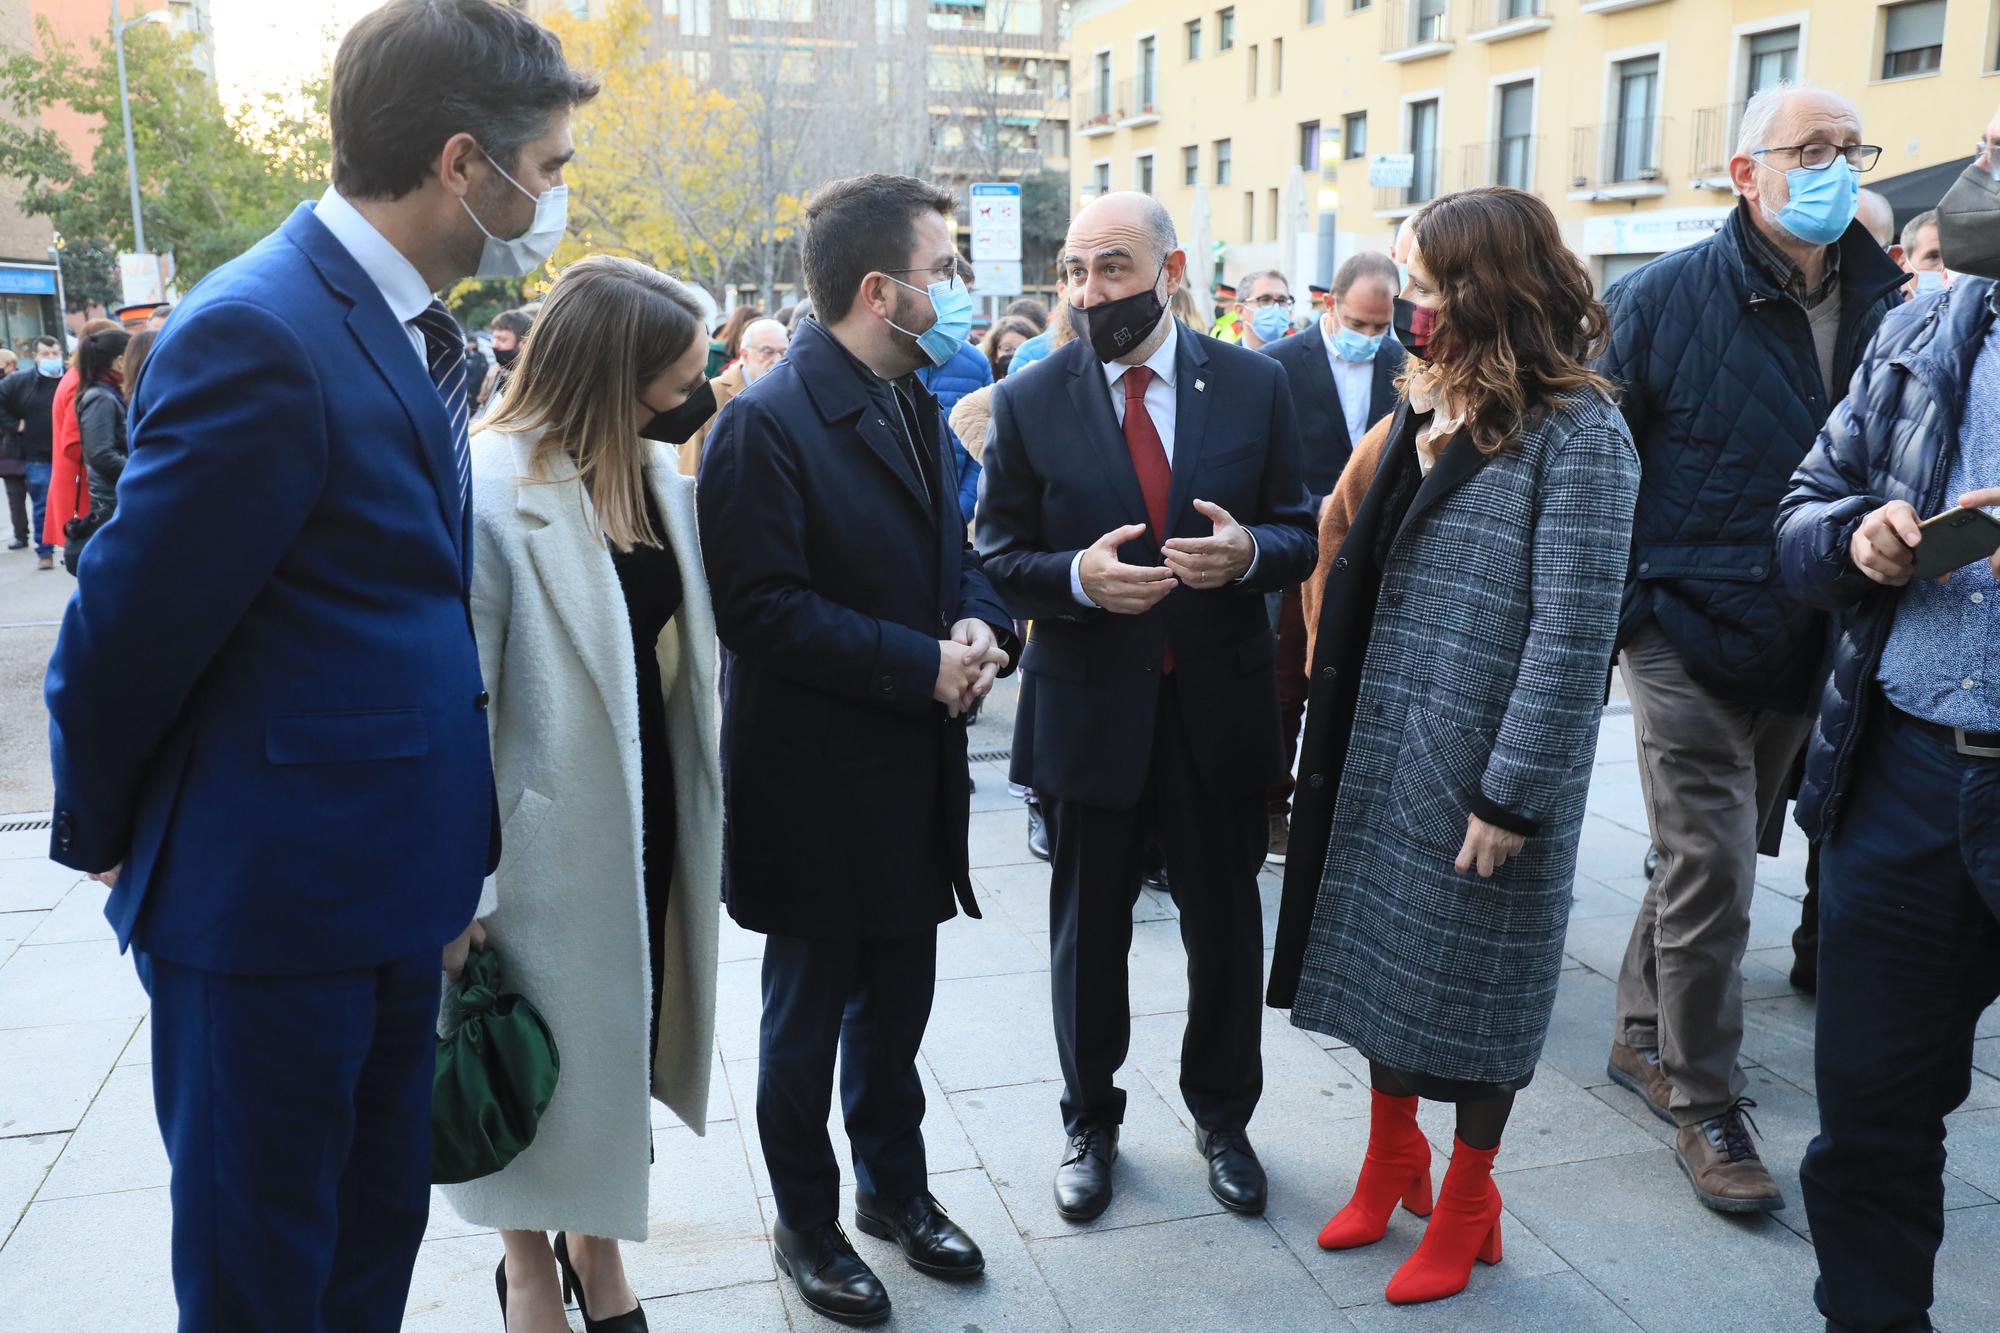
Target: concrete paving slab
(15, 927)
(117, 1146)
(1563, 1301)
(706, 1230)
(1554, 1121)
(32, 884)
(100, 1261)
(48, 1075)
(1967, 1296)
(1018, 1134)
(752, 1308)
(1202, 1273)
(990, 947)
(991, 1031)
(739, 1007)
(998, 838)
(45, 984)
(24, 1164)
(78, 917)
(1631, 1227)
(1579, 1040)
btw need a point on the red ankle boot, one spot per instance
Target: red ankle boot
(1465, 1227)
(1398, 1166)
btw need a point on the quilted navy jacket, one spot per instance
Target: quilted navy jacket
(1722, 391)
(1891, 440)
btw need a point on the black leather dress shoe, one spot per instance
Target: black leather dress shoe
(1038, 833)
(1083, 1181)
(832, 1278)
(1235, 1176)
(930, 1240)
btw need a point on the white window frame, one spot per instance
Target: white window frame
(1494, 84)
(1109, 182)
(1739, 51)
(1150, 156)
(1111, 81)
(1403, 105)
(1607, 148)
(1139, 68)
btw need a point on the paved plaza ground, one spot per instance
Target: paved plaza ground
(1601, 1231)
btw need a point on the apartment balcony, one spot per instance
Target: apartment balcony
(1498, 20)
(1613, 6)
(1139, 100)
(1416, 29)
(1098, 111)
(986, 164)
(1513, 160)
(1617, 161)
(1713, 145)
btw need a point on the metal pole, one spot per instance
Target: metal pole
(125, 105)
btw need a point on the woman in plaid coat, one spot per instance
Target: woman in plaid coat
(1465, 624)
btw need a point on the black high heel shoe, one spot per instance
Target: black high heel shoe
(632, 1321)
(500, 1283)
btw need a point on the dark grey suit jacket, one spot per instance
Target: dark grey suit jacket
(1322, 421)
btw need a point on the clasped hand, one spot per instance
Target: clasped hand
(1884, 546)
(1198, 562)
(967, 663)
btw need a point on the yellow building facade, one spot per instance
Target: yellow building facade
(1259, 123)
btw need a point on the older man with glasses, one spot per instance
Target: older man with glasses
(1730, 354)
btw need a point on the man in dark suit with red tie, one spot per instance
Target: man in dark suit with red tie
(1142, 491)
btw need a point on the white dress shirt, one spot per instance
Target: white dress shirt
(1353, 380)
(402, 287)
(1161, 404)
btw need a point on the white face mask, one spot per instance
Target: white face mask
(531, 249)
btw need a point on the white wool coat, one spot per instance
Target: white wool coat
(566, 909)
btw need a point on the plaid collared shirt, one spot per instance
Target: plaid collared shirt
(1780, 267)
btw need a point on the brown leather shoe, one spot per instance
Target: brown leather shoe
(1722, 1164)
(1639, 1071)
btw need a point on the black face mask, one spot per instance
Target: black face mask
(1414, 324)
(1113, 328)
(678, 425)
(504, 356)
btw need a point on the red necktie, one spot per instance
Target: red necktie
(1149, 460)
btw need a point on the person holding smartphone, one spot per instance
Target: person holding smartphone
(1903, 769)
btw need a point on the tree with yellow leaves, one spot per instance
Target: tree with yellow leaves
(664, 168)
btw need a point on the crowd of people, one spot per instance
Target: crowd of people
(1338, 589)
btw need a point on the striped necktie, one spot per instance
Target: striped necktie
(444, 352)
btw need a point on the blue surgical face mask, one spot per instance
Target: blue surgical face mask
(1270, 323)
(1930, 281)
(1351, 346)
(953, 306)
(1822, 205)
(50, 366)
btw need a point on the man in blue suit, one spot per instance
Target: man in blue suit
(265, 709)
(1142, 492)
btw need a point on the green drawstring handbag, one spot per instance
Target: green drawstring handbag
(496, 1071)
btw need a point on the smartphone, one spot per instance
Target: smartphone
(1955, 538)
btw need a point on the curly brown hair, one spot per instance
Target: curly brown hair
(1517, 323)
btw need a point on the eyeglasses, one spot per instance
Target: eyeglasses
(1820, 156)
(943, 272)
(1266, 302)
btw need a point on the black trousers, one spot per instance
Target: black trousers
(17, 506)
(1213, 846)
(870, 1000)
(1909, 956)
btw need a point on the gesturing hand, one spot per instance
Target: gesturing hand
(1884, 546)
(1211, 562)
(1487, 847)
(1125, 589)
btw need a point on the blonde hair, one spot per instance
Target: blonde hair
(607, 329)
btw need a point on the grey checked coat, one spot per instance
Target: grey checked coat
(1459, 668)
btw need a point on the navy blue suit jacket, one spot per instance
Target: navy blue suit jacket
(836, 569)
(265, 701)
(1058, 475)
(1316, 400)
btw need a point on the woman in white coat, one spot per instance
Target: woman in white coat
(598, 647)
